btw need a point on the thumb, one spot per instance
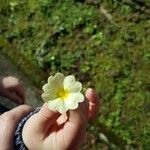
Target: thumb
(38, 127)
(45, 115)
(41, 122)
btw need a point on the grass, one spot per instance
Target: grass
(105, 44)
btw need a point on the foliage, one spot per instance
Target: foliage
(104, 43)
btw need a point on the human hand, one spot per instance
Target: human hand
(50, 130)
(8, 124)
(12, 89)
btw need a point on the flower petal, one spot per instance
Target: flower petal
(55, 82)
(57, 105)
(62, 93)
(68, 81)
(76, 87)
(72, 101)
(48, 97)
(59, 77)
(47, 89)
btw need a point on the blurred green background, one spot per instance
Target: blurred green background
(104, 43)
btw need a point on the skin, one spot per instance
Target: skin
(12, 89)
(48, 129)
(8, 123)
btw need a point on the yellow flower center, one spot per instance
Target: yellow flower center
(62, 93)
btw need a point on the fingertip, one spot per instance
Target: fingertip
(46, 113)
(94, 103)
(90, 89)
(91, 95)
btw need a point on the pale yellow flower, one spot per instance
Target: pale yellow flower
(62, 93)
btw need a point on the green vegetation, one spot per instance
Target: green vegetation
(105, 43)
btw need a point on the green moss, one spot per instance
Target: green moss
(27, 67)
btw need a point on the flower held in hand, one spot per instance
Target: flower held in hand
(62, 93)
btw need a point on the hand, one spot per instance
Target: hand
(8, 124)
(50, 130)
(12, 89)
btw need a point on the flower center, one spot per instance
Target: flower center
(63, 94)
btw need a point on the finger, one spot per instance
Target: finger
(75, 126)
(45, 114)
(21, 111)
(62, 119)
(13, 96)
(19, 90)
(94, 103)
(91, 96)
(40, 123)
(8, 124)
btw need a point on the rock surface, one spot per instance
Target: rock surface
(32, 94)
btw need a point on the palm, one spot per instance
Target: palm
(55, 132)
(65, 137)
(67, 134)
(50, 130)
